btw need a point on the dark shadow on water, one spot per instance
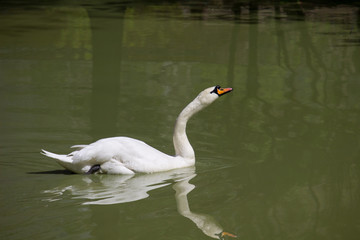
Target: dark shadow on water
(63, 172)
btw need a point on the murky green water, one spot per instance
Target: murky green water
(278, 158)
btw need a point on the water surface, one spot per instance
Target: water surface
(278, 158)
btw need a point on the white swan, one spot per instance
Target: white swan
(123, 155)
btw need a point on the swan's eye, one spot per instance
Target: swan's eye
(216, 89)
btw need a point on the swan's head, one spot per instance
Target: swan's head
(210, 94)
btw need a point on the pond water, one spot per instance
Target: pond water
(278, 158)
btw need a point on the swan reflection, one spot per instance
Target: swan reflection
(206, 223)
(106, 189)
(114, 189)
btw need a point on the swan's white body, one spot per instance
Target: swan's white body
(123, 155)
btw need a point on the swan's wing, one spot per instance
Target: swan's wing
(133, 154)
(119, 148)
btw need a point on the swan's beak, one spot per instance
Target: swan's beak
(222, 91)
(223, 234)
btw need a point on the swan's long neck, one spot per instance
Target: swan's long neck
(182, 145)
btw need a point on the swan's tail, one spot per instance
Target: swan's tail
(64, 160)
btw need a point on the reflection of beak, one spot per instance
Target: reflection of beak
(223, 234)
(222, 91)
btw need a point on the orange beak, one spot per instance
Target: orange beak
(222, 91)
(228, 234)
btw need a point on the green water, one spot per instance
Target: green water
(278, 158)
